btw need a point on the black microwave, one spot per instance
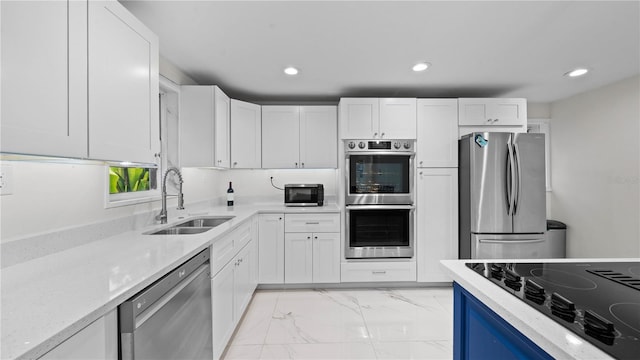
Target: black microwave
(303, 195)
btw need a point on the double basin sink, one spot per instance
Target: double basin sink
(193, 226)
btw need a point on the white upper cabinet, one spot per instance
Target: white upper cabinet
(373, 118)
(123, 86)
(299, 137)
(318, 137)
(204, 126)
(437, 143)
(492, 114)
(44, 78)
(246, 135)
(79, 79)
(280, 137)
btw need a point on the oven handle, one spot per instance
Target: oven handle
(373, 152)
(380, 207)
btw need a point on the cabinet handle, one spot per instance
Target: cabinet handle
(379, 272)
(489, 120)
(496, 120)
(312, 223)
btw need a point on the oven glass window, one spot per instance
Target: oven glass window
(371, 228)
(379, 174)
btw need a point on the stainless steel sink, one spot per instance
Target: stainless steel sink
(180, 231)
(209, 221)
(193, 226)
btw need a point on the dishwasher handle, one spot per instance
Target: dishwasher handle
(151, 310)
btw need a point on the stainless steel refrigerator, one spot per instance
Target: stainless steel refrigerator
(502, 196)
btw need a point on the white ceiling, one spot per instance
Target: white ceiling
(367, 48)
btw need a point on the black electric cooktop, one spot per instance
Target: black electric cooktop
(600, 302)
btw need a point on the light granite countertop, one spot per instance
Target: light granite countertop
(555, 339)
(46, 300)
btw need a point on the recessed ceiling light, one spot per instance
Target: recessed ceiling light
(291, 71)
(421, 66)
(577, 72)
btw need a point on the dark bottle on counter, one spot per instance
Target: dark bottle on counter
(230, 195)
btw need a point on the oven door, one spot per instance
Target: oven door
(379, 178)
(379, 231)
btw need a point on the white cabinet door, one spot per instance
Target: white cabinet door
(98, 341)
(280, 137)
(222, 300)
(298, 257)
(204, 126)
(326, 257)
(437, 213)
(197, 126)
(492, 112)
(246, 135)
(222, 105)
(44, 78)
(318, 137)
(437, 144)
(397, 118)
(359, 118)
(271, 249)
(123, 85)
(242, 282)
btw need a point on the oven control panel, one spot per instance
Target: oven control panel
(380, 145)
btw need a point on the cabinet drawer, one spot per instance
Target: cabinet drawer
(224, 249)
(378, 271)
(312, 223)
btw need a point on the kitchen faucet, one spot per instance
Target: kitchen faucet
(163, 213)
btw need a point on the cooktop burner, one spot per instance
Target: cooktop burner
(600, 302)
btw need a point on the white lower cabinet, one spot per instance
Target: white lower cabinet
(232, 286)
(378, 271)
(312, 248)
(271, 249)
(99, 340)
(299, 248)
(437, 214)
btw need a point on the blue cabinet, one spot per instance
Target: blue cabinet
(479, 333)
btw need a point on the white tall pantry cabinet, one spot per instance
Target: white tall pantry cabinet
(437, 187)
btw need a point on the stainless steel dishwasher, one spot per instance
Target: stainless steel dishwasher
(170, 319)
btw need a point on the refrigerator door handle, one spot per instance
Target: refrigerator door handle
(523, 241)
(517, 186)
(511, 179)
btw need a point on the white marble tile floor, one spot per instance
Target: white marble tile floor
(412, 323)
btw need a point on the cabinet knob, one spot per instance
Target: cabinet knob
(235, 163)
(308, 237)
(382, 135)
(296, 164)
(374, 135)
(421, 163)
(420, 172)
(496, 120)
(315, 237)
(302, 164)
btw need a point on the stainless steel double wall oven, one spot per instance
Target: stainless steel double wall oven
(379, 198)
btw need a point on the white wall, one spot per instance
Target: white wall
(595, 170)
(256, 183)
(53, 196)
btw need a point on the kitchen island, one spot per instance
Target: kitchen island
(481, 306)
(51, 298)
